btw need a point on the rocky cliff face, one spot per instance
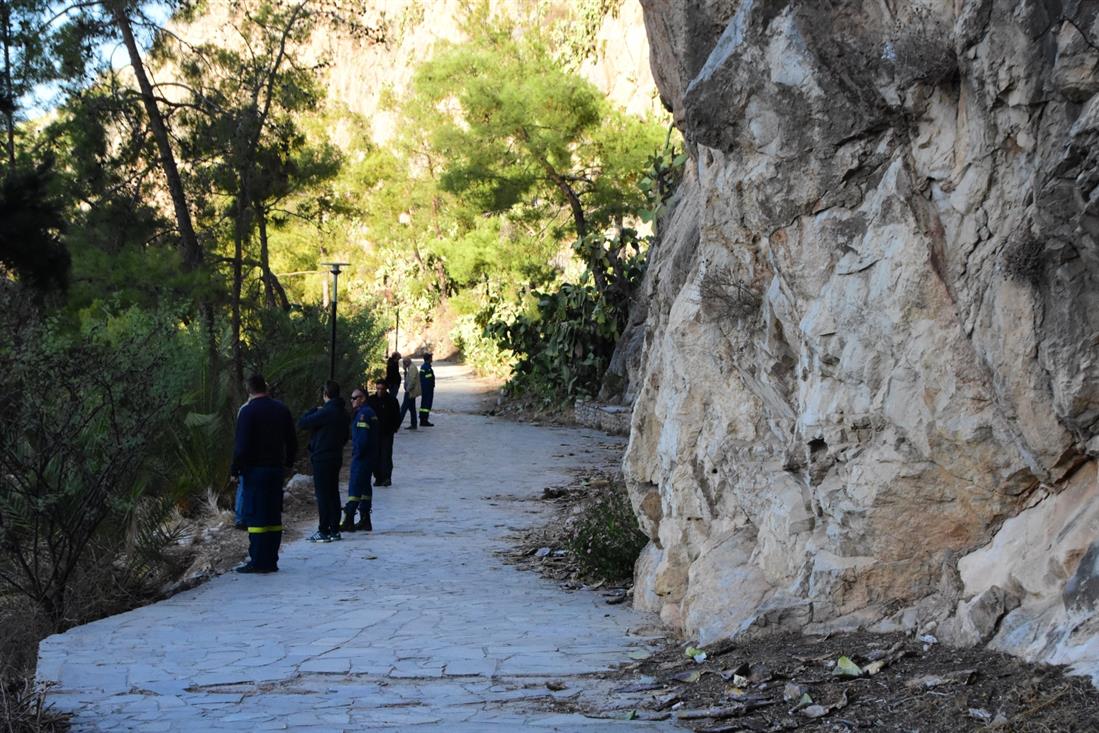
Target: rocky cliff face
(868, 387)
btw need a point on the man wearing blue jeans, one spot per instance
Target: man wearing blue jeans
(329, 429)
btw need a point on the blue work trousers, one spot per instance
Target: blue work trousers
(261, 510)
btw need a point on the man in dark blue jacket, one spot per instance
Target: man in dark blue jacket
(427, 391)
(387, 409)
(264, 446)
(328, 427)
(364, 452)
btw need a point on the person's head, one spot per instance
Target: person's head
(427, 358)
(396, 356)
(256, 384)
(358, 397)
(380, 388)
(407, 362)
(331, 389)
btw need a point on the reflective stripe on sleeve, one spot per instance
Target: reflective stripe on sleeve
(261, 530)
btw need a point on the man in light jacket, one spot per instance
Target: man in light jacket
(411, 390)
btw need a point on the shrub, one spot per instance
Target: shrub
(291, 350)
(83, 489)
(483, 354)
(563, 347)
(604, 535)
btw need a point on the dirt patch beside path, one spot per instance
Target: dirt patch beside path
(842, 682)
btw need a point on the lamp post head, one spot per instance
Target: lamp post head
(334, 267)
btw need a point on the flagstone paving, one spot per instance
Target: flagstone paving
(416, 626)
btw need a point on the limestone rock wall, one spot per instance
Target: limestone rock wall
(867, 391)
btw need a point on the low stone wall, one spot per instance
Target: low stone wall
(613, 419)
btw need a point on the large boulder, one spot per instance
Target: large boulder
(867, 380)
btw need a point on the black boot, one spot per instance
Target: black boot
(364, 518)
(348, 520)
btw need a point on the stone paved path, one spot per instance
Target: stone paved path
(417, 626)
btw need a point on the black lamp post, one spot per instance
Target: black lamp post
(335, 270)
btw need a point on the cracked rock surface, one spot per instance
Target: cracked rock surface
(416, 625)
(866, 376)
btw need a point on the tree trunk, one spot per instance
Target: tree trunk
(273, 292)
(192, 252)
(238, 285)
(9, 92)
(580, 222)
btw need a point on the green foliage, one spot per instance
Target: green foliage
(575, 35)
(289, 348)
(524, 128)
(563, 348)
(31, 220)
(480, 351)
(603, 534)
(83, 490)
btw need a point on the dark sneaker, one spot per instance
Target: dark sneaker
(334, 537)
(250, 568)
(427, 424)
(364, 524)
(319, 536)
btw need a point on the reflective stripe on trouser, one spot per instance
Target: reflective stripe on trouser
(359, 487)
(262, 512)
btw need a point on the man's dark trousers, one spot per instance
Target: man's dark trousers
(383, 471)
(326, 484)
(262, 513)
(409, 405)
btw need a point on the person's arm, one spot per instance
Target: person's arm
(240, 441)
(375, 434)
(314, 418)
(290, 438)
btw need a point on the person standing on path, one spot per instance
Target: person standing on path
(329, 433)
(393, 373)
(364, 455)
(427, 391)
(385, 406)
(238, 505)
(411, 390)
(263, 448)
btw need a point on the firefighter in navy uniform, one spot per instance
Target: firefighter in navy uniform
(264, 446)
(427, 390)
(364, 452)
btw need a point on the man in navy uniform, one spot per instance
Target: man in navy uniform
(328, 425)
(427, 391)
(386, 407)
(364, 452)
(263, 448)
